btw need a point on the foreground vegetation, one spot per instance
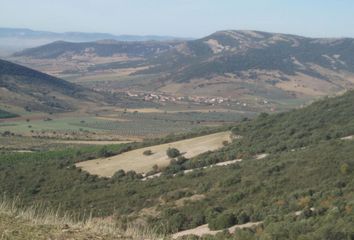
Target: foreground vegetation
(302, 190)
(37, 222)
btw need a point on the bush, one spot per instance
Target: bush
(225, 143)
(243, 218)
(176, 222)
(147, 152)
(224, 220)
(119, 174)
(104, 152)
(173, 152)
(344, 168)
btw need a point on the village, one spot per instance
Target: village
(207, 100)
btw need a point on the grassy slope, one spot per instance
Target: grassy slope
(308, 167)
(34, 90)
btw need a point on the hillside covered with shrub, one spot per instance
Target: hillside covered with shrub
(301, 190)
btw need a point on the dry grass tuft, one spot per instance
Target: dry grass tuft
(71, 226)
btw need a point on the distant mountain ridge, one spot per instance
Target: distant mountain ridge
(232, 63)
(102, 48)
(17, 39)
(264, 61)
(79, 36)
(236, 51)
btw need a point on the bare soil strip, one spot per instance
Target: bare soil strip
(348, 138)
(204, 229)
(226, 163)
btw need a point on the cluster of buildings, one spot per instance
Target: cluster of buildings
(158, 97)
(163, 98)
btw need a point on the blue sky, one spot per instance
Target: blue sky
(183, 18)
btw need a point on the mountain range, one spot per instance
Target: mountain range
(234, 64)
(303, 66)
(16, 39)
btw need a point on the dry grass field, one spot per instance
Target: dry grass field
(40, 223)
(137, 161)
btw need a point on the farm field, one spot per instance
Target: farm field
(135, 160)
(118, 124)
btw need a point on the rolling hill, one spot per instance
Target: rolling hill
(35, 91)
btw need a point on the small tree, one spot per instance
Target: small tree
(155, 168)
(147, 152)
(225, 143)
(104, 152)
(222, 221)
(173, 152)
(119, 174)
(243, 218)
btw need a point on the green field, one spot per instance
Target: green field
(124, 124)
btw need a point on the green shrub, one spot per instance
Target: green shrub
(147, 152)
(222, 221)
(104, 152)
(119, 174)
(243, 218)
(344, 168)
(173, 152)
(176, 221)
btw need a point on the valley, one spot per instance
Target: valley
(237, 135)
(265, 71)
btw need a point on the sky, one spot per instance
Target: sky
(182, 18)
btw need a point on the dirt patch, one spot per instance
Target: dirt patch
(194, 198)
(261, 156)
(347, 138)
(204, 229)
